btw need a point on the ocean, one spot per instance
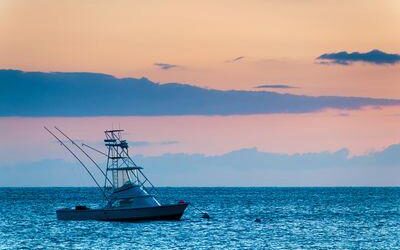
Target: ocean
(291, 218)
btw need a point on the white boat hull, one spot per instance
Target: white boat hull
(164, 212)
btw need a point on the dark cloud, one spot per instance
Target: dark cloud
(92, 94)
(165, 66)
(275, 86)
(372, 57)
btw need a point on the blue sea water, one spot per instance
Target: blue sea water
(291, 218)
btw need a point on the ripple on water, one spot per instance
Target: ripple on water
(323, 218)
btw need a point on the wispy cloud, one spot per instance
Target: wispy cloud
(239, 58)
(343, 114)
(139, 143)
(275, 86)
(169, 142)
(151, 143)
(166, 66)
(376, 57)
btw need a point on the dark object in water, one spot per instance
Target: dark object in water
(80, 207)
(205, 216)
(258, 220)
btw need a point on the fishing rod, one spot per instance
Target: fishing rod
(73, 142)
(94, 149)
(76, 157)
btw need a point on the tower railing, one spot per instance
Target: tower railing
(121, 164)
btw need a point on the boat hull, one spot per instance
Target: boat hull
(164, 212)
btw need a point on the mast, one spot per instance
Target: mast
(120, 166)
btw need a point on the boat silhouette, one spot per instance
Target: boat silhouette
(129, 194)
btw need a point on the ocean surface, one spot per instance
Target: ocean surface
(291, 218)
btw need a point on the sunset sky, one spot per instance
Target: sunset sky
(305, 47)
(278, 40)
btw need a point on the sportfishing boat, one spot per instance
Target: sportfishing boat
(128, 193)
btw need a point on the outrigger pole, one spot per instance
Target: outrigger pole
(94, 149)
(76, 157)
(73, 142)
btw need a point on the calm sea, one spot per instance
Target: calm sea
(291, 218)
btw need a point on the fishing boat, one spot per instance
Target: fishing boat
(128, 193)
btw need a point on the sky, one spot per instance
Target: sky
(207, 79)
(277, 40)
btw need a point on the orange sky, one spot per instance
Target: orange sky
(278, 39)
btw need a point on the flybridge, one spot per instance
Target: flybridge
(120, 165)
(129, 193)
